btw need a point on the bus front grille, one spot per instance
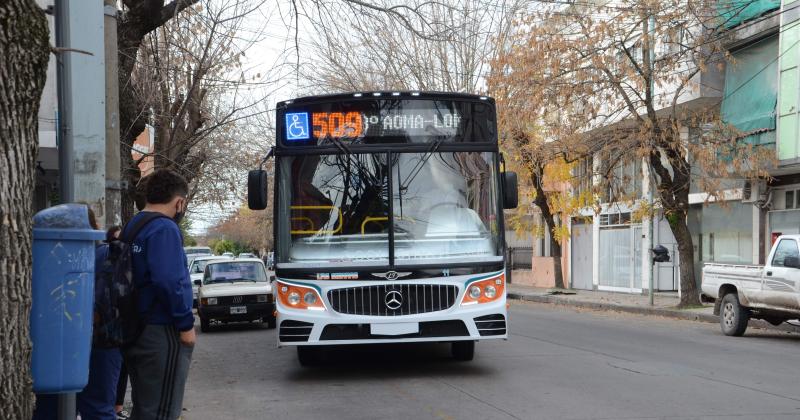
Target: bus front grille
(393, 299)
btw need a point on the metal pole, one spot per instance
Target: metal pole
(650, 178)
(66, 406)
(66, 162)
(650, 220)
(66, 166)
(80, 84)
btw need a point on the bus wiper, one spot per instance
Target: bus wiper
(340, 145)
(418, 167)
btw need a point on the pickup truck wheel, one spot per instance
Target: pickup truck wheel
(733, 317)
(205, 325)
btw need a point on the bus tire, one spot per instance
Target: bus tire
(270, 321)
(307, 356)
(733, 317)
(463, 351)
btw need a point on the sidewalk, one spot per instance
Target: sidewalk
(664, 304)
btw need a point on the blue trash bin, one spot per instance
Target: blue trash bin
(63, 298)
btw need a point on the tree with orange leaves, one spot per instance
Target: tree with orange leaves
(611, 79)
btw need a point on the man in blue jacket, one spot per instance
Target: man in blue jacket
(158, 362)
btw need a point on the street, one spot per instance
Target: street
(558, 364)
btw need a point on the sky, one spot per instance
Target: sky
(270, 68)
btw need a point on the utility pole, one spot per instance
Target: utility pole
(81, 103)
(113, 171)
(81, 109)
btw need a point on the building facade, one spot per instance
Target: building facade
(757, 92)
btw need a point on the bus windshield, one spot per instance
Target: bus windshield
(334, 209)
(445, 208)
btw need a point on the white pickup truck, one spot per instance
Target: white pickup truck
(770, 292)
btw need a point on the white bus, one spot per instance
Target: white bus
(388, 220)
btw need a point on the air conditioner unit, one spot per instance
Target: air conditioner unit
(754, 192)
(748, 195)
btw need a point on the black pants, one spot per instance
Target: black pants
(122, 385)
(158, 365)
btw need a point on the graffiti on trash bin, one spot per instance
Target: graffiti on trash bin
(80, 266)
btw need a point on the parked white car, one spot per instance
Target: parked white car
(770, 292)
(235, 290)
(197, 251)
(196, 269)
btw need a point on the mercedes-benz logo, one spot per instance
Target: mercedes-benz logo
(393, 300)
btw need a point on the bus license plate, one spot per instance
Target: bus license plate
(400, 328)
(235, 310)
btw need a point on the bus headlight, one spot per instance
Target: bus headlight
(475, 292)
(294, 298)
(310, 298)
(485, 290)
(299, 297)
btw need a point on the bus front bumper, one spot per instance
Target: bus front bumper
(486, 321)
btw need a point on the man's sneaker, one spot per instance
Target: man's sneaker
(123, 415)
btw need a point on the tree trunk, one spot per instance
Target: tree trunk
(133, 25)
(541, 202)
(680, 229)
(674, 192)
(555, 253)
(24, 46)
(132, 117)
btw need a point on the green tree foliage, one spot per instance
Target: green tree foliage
(226, 245)
(186, 225)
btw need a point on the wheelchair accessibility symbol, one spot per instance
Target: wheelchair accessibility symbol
(297, 126)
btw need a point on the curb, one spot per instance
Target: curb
(638, 310)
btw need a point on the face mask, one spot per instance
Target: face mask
(179, 214)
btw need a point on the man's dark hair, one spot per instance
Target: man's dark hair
(139, 193)
(163, 185)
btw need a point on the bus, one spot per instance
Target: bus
(388, 221)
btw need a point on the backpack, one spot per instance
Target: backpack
(117, 322)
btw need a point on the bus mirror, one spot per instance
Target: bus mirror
(257, 189)
(510, 193)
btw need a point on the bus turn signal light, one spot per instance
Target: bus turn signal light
(485, 291)
(299, 297)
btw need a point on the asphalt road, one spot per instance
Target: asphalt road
(558, 364)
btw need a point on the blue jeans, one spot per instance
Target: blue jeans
(96, 401)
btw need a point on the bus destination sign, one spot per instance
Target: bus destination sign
(377, 121)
